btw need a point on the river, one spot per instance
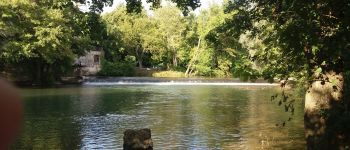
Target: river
(207, 115)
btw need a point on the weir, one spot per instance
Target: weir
(96, 81)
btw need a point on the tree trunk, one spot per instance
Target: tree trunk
(214, 60)
(189, 67)
(139, 56)
(140, 63)
(324, 105)
(174, 58)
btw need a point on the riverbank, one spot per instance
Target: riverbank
(193, 81)
(141, 75)
(148, 72)
(171, 81)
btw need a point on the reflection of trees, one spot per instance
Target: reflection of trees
(219, 111)
(171, 116)
(196, 117)
(122, 100)
(48, 123)
(180, 117)
(49, 133)
(109, 111)
(68, 118)
(225, 117)
(264, 120)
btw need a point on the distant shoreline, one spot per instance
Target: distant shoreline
(103, 80)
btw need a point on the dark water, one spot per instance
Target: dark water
(180, 117)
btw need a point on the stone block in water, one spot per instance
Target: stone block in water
(137, 139)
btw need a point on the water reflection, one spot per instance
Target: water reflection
(48, 124)
(181, 117)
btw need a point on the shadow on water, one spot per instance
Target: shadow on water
(181, 117)
(56, 118)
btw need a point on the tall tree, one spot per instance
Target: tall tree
(134, 30)
(212, 51)
(95, 6)
(172, 30)
(41, 38)
(308, 40)
(186, 6)
(37, 38)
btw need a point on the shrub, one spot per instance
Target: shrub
(220, 73)
(117, 69)
(202, 70)
(169, 74)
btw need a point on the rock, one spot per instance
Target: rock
(137, 139)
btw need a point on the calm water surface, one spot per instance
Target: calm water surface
(180, 117)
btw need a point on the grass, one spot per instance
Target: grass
(169, 74)
(144, 72)
(158, 73)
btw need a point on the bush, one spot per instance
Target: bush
(169, 74)
(117, 69)
(220, 73)
(202, 70)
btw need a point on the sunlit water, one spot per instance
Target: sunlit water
(180, 117)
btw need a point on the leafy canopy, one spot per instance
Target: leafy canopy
(185, 5)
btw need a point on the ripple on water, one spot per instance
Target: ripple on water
(105, 132)
(180, 117)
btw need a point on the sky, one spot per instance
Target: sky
(204, 4)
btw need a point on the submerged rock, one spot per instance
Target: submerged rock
(137, 139)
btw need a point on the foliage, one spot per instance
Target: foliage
(35, 37)
(171, 30)
(157, 40)
(305, 40)
(133, 29)
(169, 74)
(40, 39)
(117, 69)
(168, 40)
(95, 6)
(300, 38)
(135, 6)
(211, 51)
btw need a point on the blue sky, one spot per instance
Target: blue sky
(205, 4)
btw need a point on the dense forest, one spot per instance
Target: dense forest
(43, 45)
(307, 41)
(168, 40)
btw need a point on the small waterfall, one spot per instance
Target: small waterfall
(110, 81)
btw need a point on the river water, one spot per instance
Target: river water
(181, 116)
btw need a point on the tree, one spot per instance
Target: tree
(95, 6)
(134, 30)
(212, 51)
(40, 39)
(135, 6)
(307, 40)
(171, 26)
(37, 39)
